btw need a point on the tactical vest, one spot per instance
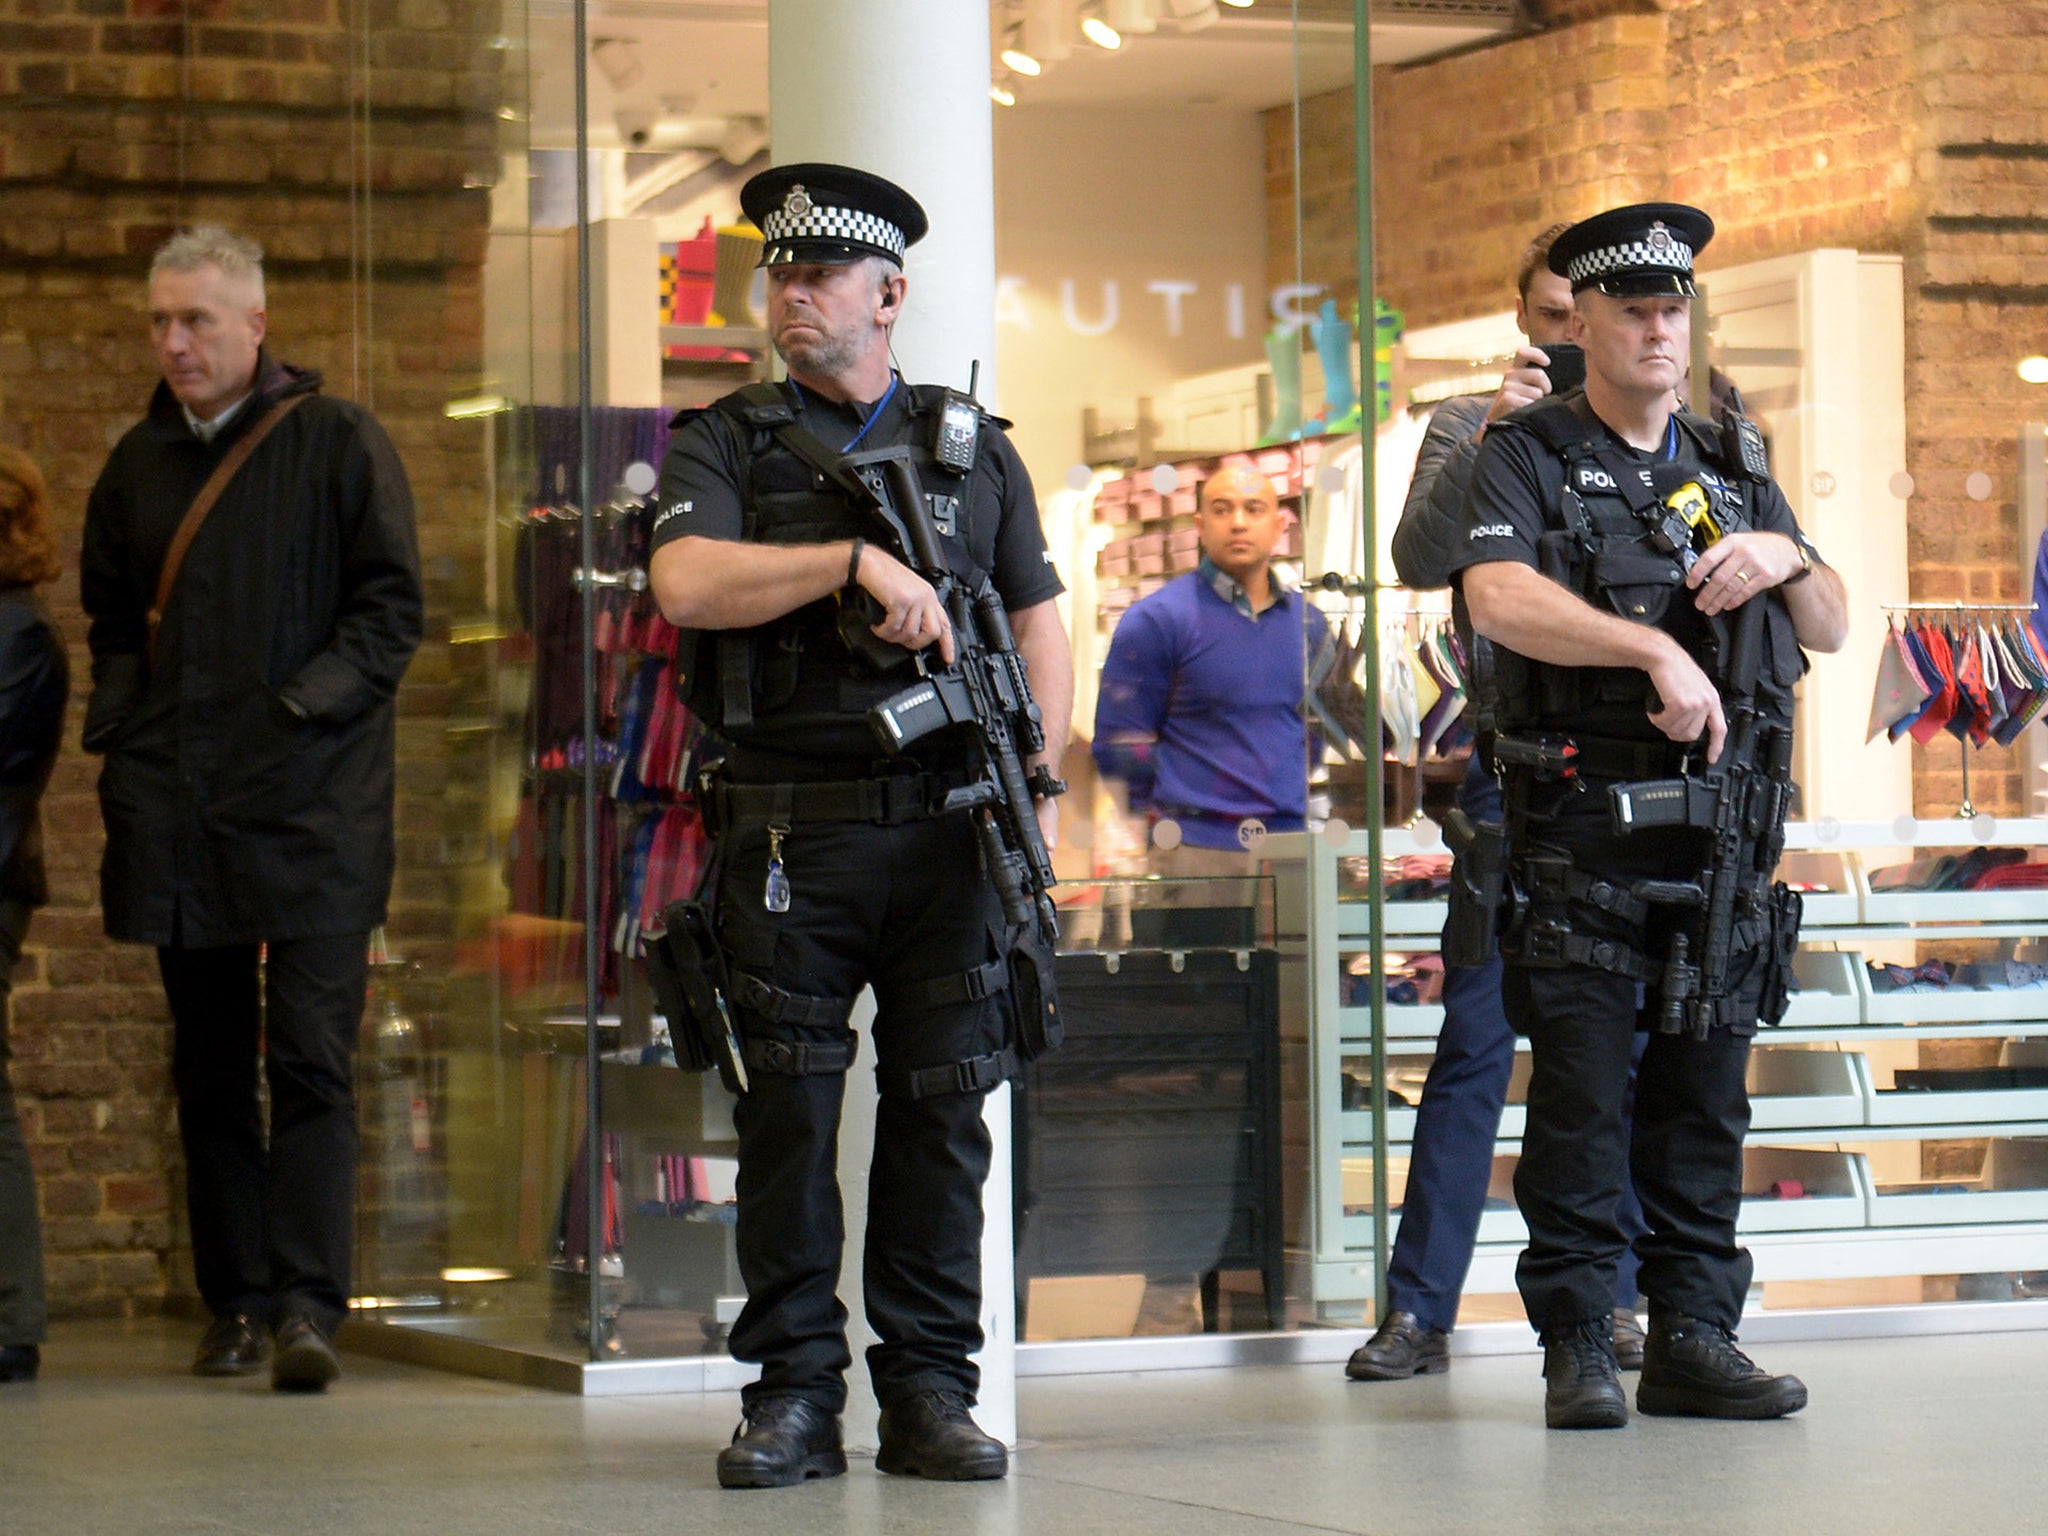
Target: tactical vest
(1603, 543)
(792, 682)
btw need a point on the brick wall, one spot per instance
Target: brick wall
(1917, 127)
(119, 120)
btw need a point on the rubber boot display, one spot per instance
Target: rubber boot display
(1341, 409)
(1283, 352)
(739, 249)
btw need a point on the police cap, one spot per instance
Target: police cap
(1633, 252)
(830, 213)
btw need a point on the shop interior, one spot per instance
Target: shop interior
(1223, 1147)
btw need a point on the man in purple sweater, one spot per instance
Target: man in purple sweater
(1200, 710)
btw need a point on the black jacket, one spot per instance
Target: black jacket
(1431, 521)
(35, 680)
(249, 768)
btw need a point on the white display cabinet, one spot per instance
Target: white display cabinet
(1831, 1185)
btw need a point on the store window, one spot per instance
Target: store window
(1253, 971)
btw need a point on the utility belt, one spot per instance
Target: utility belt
(885, 802)
(1518, 900)
(707, 1000)
(1556, 758)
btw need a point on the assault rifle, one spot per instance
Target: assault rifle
(985, 693)
(1741, 802)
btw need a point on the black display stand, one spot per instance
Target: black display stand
(1150, 1144)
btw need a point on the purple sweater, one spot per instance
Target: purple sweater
(1201, 708)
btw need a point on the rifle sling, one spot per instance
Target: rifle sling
(188, 527)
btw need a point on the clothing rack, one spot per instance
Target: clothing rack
(1348, 586)
(1967, 811)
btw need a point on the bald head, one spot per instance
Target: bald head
(1240, 521)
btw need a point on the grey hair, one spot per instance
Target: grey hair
(239, 258)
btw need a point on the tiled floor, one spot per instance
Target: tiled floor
(1919, 1435)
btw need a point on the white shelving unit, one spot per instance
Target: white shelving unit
(1824, 1194)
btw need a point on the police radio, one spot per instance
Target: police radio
(957, 427)
(1742, 441)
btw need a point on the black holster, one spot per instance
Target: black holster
(686, 968)
(1480, 889)
(1786, 907)
(1035, 994)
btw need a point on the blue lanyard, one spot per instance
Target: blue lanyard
(865, 427)
(1671, 438)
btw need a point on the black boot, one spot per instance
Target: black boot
(933, 1435)
(1581, 1382)
(782, 1440)
(1400, 1348)
(1693, 1367)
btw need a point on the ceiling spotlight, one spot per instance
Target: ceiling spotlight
(1002, 96)
(2034, 369)
(618, 59)
(742, 138)
(1021, 62)
(1131, 16)
(1101, 33)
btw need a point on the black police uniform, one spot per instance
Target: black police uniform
(1552, 484)
(878, 892)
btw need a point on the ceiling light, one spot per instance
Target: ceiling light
(1131, 16)
(1242, 5)
(1021, 62)
(1101, 33)
(743, 138)
(2034, 369)
(1002, 96)
(618, 59)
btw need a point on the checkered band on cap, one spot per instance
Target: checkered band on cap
(799, 218)
(1658, 250)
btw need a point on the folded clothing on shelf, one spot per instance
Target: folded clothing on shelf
(1408, 877)
(1969, 871)
(1961, 1079)
(1411, 979)
(1929, 976)
(1967, 976)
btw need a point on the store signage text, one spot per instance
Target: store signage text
(1097, 308)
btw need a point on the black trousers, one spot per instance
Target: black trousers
(273, 1217)
(1683, 1151)
(23, 1314)
(891, 907)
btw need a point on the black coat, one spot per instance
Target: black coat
(249, 767)
(35, 680)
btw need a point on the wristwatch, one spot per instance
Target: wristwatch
(1807, 560)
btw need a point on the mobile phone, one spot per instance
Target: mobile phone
(1566, 368)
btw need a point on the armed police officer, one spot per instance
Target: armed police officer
(1647, 592)
(838, 864)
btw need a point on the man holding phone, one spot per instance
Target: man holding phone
(1459, 1117)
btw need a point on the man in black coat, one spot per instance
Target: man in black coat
(248, 728)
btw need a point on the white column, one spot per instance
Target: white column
(900, 88)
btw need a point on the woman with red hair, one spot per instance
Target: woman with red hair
(34, 681)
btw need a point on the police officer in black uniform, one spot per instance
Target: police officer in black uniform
(1614, 547)
(832, 871)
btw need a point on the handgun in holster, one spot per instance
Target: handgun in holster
(687, 971)
(1551, 759)
(1482, 896)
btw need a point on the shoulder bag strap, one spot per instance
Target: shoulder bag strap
(209, 493)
